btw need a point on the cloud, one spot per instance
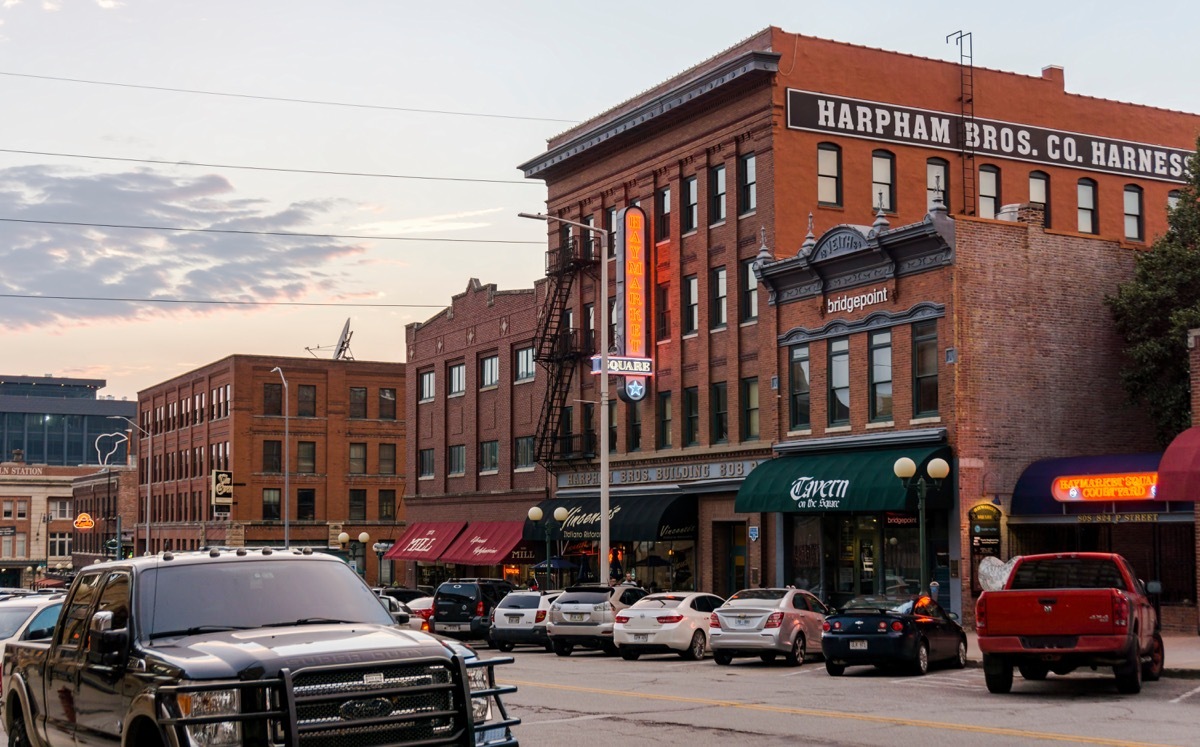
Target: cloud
(41, 259)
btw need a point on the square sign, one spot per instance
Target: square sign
(753, 533)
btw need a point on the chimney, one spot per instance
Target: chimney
(18, 456)
(1054, 73)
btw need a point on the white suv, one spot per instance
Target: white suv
(584, 616)
(521, 618)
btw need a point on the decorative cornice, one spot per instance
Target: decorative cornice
(931, 436)
(877, 320)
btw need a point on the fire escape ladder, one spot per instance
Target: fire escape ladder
(552, 350)
(966, 122)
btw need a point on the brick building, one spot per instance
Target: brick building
(1179, 473)
(475, 392)
(333, 439)
(844, 275)
(110, 498)
(36, 516)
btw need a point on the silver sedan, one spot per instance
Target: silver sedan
(766, 623)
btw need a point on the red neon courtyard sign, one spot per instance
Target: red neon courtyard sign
(1130, 486)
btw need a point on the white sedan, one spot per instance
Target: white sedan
(670, 622)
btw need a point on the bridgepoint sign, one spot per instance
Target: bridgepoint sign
(852, 304)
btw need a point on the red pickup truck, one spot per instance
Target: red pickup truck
(1059, 612)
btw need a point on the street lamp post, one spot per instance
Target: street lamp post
(535, 515)
(937, 469)
(380, 548)
(287, 459)
(363, 539)
(602, 302)
(149, 473)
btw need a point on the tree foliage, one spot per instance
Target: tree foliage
(1155, 310)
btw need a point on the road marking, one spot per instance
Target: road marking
(593, 717)
(890, 720)
(805, 670)
(1188, 694)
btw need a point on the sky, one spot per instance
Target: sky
(390, 133)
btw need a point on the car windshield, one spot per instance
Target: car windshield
(1067, 573)
(458, 592)
(520, 601)
(758, 595)
(659, 601)
(11, 619)
(583, 597)
(886, 604)
(179, 599)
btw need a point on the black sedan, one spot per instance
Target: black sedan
(905, 631)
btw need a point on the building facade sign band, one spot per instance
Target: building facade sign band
(667, 473)
(1135, 486)
(874, 120)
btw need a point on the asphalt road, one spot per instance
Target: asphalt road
(663, 700)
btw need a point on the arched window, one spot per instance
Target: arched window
(1088, 215)
(937, 181)
(1133, 213)
(1039, 192)
(883, 181)
(989, 191)
(829, 174)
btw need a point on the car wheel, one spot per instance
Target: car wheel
(1152, 669)
(960, 660)
(1033, 672)
(628, 655)
(722, 658)
(920, 665)
(17, 736)
(998, 674)
(835, 670)
(695, 650)
(795, 657)
(1129, 675)
(768, 657)
(609, 648)
(505, 646)
(563, 649)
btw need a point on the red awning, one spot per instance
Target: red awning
(425, 540)
(1179, 470)
(50, 583)
(485, 543)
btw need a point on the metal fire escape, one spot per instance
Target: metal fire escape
(559, 349)
(966, 99)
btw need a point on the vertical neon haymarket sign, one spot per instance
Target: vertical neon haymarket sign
(631, 285)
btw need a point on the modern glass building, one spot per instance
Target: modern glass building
(61, 421)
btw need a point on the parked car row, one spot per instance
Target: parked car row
(905, 631)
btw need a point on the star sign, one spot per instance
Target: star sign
(635, 390)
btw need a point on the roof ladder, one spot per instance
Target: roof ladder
(966, 122)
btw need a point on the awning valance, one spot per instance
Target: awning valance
(632, 518)
(1100, 483)
(425, 540)
(1179, 471)
(861, 480)
(484, 543)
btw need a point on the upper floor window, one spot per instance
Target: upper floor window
(925, 368)
(662, 312)
(839, 381)
(937, 181)
(306, 504)
(691, 305)
(425, 463)
(1173, 199)
(829, 174)
(664, 420)
(662, 214)
(718, 295)
(457, 460)
(272, 457)
(489, 456)
(458, 379)
(357, 504)
(634, 429)
(799, 391)
(883, 181)
(689, 213)
(747, 184)
(749, 286)
(880, 376)
(989, 191)
(1133, 212)
(272, 399)
(750, 408)
(358, 459)
(387, 459)
(1087, 206)
(306, 401)
(358, 402)
(719, 400)
(387, 404)
(589, 236)
(1039, 193)
(525, 364)
(489, 371)
(427, 390)
(610, 225)
(523, 453)
(691, 415)
(716, 194)
(387, 504)
(306, 457)
(270, 504)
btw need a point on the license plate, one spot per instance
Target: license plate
(640, 637)
(742, 622)
(454, 627)
(575, 617)
(513, 618)
(858, 645)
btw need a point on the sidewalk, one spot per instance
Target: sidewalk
(1182, 654)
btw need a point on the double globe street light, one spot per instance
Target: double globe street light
(535, 515)
(937, 469)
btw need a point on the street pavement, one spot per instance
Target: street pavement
(1182, 654)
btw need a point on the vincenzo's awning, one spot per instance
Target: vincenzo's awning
(484, 543)
(1179, 471)
(861, 481)
(633, 518)
(425, 540)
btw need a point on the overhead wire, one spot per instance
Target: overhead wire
(213, 302)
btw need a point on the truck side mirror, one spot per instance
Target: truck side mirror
(105, 645)
(1154, 587)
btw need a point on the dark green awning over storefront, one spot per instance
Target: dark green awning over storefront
(861, 480)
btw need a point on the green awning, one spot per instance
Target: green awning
(842, 481)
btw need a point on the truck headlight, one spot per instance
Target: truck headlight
(478, 680)
(207, 703)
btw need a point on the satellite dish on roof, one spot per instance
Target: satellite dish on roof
(342, 351)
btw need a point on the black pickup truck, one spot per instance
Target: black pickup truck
(238, 648)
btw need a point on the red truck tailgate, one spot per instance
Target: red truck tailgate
(1061, 611)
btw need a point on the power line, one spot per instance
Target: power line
(269, 168)
(225, 303)
(289, 100)
(270, 233)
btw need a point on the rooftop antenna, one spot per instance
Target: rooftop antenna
(341, 351)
